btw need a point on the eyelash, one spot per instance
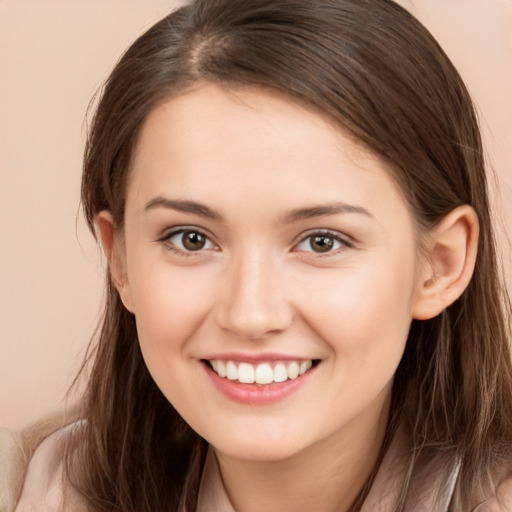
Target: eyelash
(170, 246)
(342, 241)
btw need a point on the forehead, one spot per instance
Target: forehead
(259, 143)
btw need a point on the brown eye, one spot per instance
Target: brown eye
(193, 241)
(321, 243)
(187, 241)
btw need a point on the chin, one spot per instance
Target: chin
(259, 448)
(257, 453)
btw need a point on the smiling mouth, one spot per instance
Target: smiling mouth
(262, 373)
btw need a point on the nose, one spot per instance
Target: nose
(253, 301)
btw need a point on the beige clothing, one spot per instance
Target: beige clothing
(31, 461)
(37, 486)
(432, 495)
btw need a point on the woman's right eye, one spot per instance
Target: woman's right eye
(187, 241)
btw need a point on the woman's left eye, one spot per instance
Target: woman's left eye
(322, 242)
(188, 240)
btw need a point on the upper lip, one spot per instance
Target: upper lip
(255, 358)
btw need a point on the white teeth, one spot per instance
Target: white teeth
(304, 367)
(280, 373)
(231, 371)
(293, 370)
(262, 373)
(221, 368)
(246, 373)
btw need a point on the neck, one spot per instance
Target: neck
(327, 476)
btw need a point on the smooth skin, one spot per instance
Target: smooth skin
(228, 189)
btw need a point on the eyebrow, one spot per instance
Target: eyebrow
(183, 206)
(324, 210)
(295, 215)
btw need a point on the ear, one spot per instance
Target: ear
(451, 260)
(114, 253)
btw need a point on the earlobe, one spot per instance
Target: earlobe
(451, 260)
(114, 255)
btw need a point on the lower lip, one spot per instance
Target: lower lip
(256, 394)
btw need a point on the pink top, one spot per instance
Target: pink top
(432, 489)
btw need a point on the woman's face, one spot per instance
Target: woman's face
(262, 244)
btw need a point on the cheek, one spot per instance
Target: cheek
(365, 323)
(169, 306)
(364, 313)
(169, 309)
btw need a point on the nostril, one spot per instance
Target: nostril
(255, 325)
(252, 304)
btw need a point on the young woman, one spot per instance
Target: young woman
(304, 309)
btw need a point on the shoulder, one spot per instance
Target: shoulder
(12, 468)
(32, 464)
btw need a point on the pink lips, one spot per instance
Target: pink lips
(255, 394)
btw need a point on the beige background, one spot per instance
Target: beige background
(54, 54)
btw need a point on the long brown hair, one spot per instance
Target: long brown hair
(378, 73)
